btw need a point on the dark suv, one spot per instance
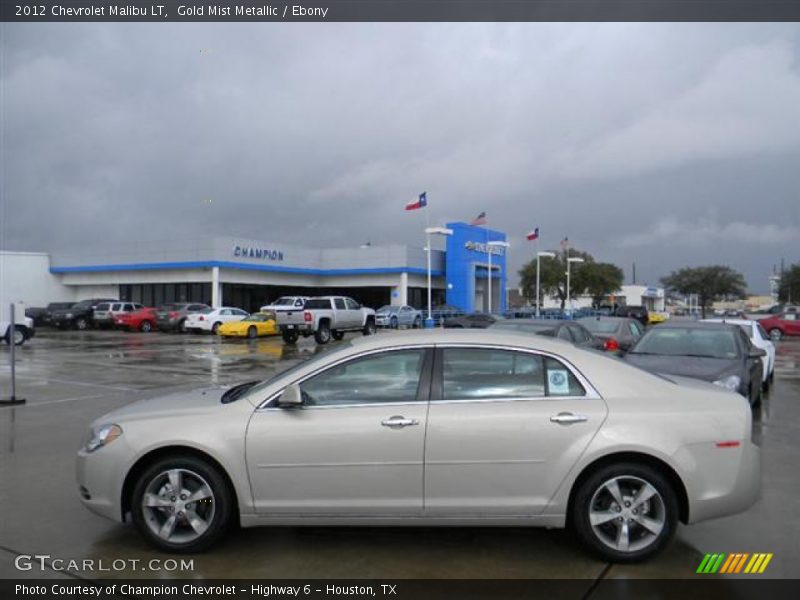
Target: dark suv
(80, 315)
(634, 312)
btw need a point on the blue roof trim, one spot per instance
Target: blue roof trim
(244, 266)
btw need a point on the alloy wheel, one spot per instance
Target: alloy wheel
(178, 506)
(627, 514)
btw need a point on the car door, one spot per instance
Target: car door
(355, 446)
(791, 325)
(504, 429)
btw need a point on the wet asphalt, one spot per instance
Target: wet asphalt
(71, 378)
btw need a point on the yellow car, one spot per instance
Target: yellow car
(657, 317)
(256, 325)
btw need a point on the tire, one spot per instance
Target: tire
(17, 337)
(594, 496)
(755, 399)
(775, 334)
(393, 323)
(82, 323)
(252, 332)
(337, 335)
(196, 477)
(369, 328)
(215, 328)
(323, 334)
(182, 326)
(417, 322)
(146, 326)
(289, 337)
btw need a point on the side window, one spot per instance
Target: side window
(339, 303)
(564, 334)
(579, 334)
(298, 302)
(226, 312)
(351, 304)
(790, 317)
(634, 329)
(240, 313)
(561, 381)
(478, 373)
(386, 377)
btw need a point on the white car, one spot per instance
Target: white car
(431, 427)
(760, 339)
(209, 320)
(23, 331)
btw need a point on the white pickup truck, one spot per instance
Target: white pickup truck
(325, 317)
(23, 330)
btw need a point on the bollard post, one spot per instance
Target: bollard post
(12, 347)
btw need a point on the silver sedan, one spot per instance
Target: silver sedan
(436, 427)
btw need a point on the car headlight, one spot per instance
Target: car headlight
(69, 315)
(731, 382)
(102, 436)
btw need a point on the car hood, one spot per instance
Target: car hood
(195, 402)
(709, 369)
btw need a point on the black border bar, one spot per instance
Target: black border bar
(399, 10)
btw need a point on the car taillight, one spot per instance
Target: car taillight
(611, 344)
(201, 318)
(307, 317)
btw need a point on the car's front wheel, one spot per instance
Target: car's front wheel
(146, 326)
(775, 334)
(182, 504)
(289, 337)
(82, 323)
(17, 336)
(369, 328)
(625, 512)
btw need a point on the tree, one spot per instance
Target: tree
(714, 282)
(789, 286)
(599, 279)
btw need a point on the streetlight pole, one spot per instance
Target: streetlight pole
(539, 255)
(489, 246)
(569, 262)
(428, 232)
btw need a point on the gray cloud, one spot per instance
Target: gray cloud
(633, 139)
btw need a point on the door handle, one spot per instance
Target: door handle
(399, 421)
(567, 418)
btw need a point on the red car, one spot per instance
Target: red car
(781, 325)
(143, 319)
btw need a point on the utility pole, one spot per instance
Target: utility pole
(634, 273)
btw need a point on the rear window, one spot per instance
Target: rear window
(318, 303)
(288, 301)
(600, 325)
(102, 307)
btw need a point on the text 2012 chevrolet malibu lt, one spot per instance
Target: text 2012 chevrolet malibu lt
(431, 428)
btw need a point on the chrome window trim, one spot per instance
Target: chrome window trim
(591, 391)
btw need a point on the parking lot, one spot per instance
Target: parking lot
(69, 378)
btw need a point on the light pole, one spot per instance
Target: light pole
(489, 246)
(428, 232)
(539, 255)
(575, 259)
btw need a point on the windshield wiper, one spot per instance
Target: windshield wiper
(236, 391)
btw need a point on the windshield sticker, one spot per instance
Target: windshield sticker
(559, 384)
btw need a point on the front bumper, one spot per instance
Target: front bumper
(99, 476)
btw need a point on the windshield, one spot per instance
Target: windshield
(287, 301)
(83, 304)
(600, 325)
(205, 311)
(524, 326)
(256, 317)
(704, 343)
(387, 308)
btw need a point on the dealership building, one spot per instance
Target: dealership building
(247, 273)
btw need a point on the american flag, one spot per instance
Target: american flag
(479, 220)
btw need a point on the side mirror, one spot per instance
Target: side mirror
(758, 353)
(291, 397)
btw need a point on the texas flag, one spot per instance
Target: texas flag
(565, 242)
(479, 220)
(533, 235)
(421, 202)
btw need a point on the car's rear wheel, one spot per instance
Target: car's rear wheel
(775, 334)
(252, 332)
(182, 326)
(215, 328)
(323, 334)
(369, 328)
(146, 327)
(417, 322)
(289, 337)
(182, 504)
(337, 335)
(625, 512)
(393, 322)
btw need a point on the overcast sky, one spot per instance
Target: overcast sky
(663, 144)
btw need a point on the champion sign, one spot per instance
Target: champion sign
(479, 247)
(262, 253)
